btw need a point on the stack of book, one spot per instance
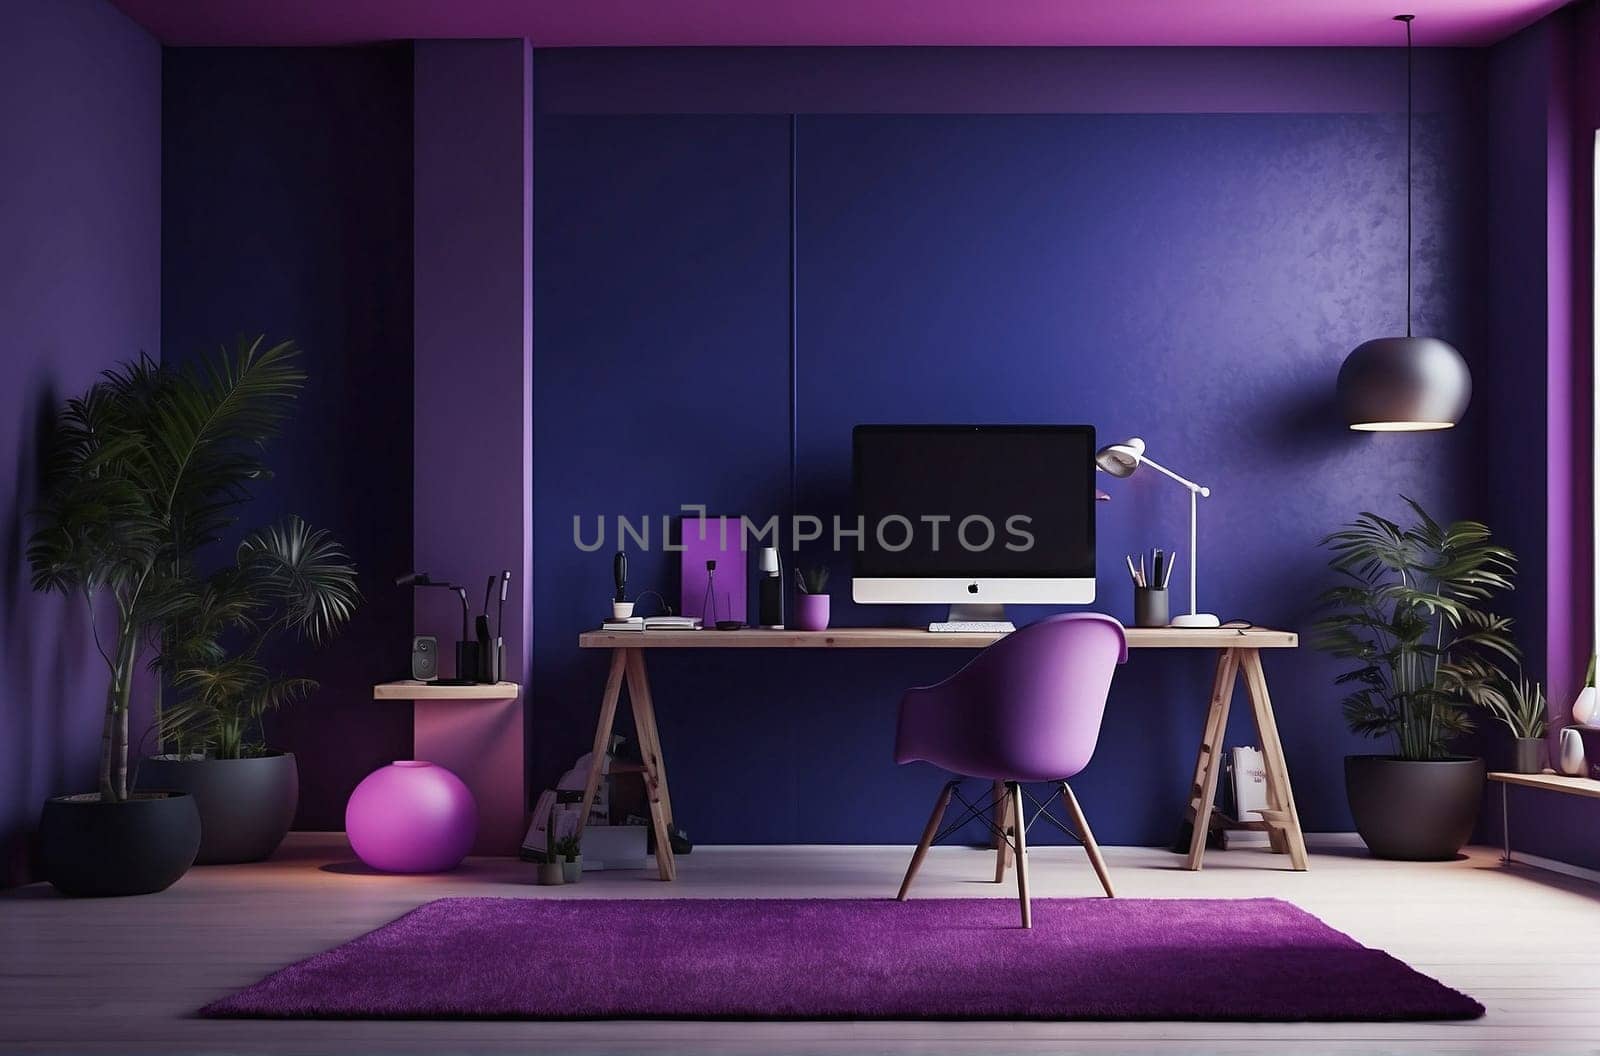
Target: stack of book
(653, 623)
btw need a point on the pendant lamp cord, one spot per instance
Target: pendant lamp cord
(1407, 20)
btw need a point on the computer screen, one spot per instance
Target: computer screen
(983, 501)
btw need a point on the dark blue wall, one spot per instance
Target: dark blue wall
(1194, 279)
(287, 211)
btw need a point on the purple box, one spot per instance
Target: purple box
(718, 539)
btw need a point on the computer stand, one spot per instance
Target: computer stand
(971, 616)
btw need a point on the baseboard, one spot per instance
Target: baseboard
(1554, 865)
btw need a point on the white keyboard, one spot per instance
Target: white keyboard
(973, 627)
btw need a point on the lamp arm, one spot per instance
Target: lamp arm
(1201, 489)
(1194, 552)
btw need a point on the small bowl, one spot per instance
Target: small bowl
(621, 610)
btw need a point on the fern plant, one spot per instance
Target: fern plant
(1412, 617)
(146, 469)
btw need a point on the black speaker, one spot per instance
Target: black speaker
(424, 658)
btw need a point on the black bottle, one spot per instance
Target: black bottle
(769, 591)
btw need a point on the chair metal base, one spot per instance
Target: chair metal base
(1012, 800)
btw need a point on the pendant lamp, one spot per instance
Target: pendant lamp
(1404, 384)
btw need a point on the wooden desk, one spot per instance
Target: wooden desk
(1237, 651)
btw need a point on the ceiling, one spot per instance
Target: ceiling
(726, 23)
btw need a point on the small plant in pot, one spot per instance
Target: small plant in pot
(551, 873)
(1520, 705)
(811, 605)
(1411, 617)
(571, 859)
(145, 469)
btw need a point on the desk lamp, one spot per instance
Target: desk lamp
(466, 648)
(1120, 460)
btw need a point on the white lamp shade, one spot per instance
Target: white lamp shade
(1120, 460)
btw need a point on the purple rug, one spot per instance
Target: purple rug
(1092, 958)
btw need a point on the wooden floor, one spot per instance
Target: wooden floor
(126, 975)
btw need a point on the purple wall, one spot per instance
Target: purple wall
(80, 205)
(287, 211)
(662, 246)
(977, 267)
(473, 352)
(1544, 112)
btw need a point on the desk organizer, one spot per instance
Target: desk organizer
(1150, 607)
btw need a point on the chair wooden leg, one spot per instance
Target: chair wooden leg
(1002, 820)
(1082, 824)
(928, 833)
(1017, 826)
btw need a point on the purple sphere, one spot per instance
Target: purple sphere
(411, 817)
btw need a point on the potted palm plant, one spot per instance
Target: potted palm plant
(1411, 618)
(146, 468)
(286, 578)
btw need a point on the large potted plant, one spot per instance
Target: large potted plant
(145, 469)
(285, 578)
(1412, 619)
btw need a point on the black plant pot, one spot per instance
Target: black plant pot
(1528, 757)
(137, 847)
(1415, 811)
(246, 805)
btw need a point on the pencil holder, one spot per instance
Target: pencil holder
(1150, 607)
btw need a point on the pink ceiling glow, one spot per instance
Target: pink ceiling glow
(617, 23)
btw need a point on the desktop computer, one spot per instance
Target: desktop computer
(974, 516)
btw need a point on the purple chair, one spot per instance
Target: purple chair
(1027, 708)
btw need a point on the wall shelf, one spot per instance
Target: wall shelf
(1551, 782)
(410, 689)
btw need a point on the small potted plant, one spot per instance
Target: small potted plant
(1520, 704)
(571, 859)
(551, 874)
(811, 608)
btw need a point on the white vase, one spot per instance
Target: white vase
(1572, 762)
(1586, 709)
